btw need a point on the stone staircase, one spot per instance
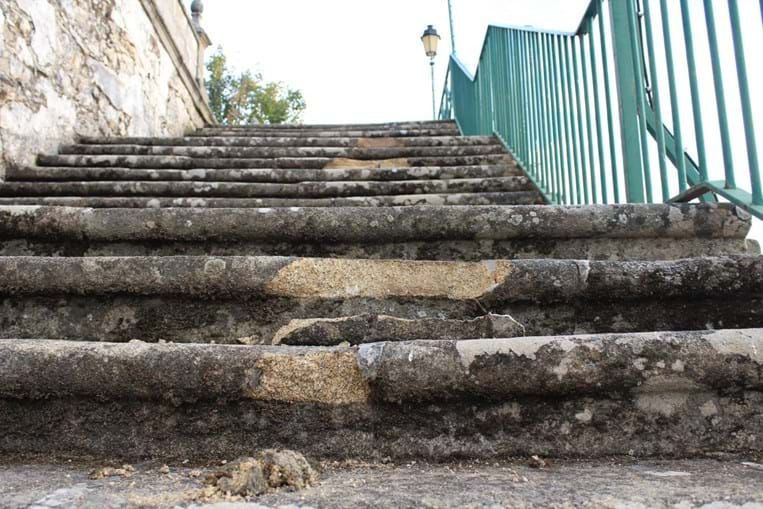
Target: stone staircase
(363, 291)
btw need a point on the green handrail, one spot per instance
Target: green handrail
(584, 133)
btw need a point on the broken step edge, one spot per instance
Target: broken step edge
(640, 365)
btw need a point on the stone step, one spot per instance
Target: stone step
(401, 200)
(292, 141)
(280, 152)
(261, 175)
(457, 233)
(223, 299)
(181, 162)
(416, 124)
(357, 132)
(327, 133)
(670, 394)
(318, 189)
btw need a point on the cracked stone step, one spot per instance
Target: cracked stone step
(64, 173)
(291, 141)
(402, 200)
(670, 394)
(276, 152)
(370, 328)
(319, 189)
(223, 299)
(326, 278)
(646, 232)
(449, 124)
(181, 162)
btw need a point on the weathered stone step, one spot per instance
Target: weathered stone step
(648, 394)
(319, 189)
(323, 278)
(181, 162)
(277, 152)
(223, 299)
(350, 225)
(401, 200)
(646, 232)
(292, 141)
(261, 175)
(416, 124)
(328, 133)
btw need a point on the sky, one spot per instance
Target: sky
(362, 60)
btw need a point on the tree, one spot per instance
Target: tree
(247, 98)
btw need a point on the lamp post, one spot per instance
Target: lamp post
(431, 39)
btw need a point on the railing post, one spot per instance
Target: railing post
(197, 9)
(627, 99)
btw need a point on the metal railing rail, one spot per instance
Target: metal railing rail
(585, 113)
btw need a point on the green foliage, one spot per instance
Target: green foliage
(247, 98)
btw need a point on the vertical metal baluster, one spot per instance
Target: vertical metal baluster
(597, 111)
(638, 71)
(720, 96)
(579, 115)
(571, 115)
(609, 105)
(674, 105)
(563, 104)
(589, 130)
(544, 111)
(538, 110)
(552, 88)
(744, 92)
(696, 105)
(654, 80)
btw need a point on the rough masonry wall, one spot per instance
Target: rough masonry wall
(89, 67)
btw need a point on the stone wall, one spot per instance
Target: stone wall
(95, 67)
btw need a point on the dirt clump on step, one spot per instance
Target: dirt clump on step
(269, 470)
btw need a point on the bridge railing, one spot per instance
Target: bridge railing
(606, 114)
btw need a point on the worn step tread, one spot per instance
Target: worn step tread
(182, 162)
(645, 394)
(290, 141)
(64, 173)
(318, 189)
(369, 225)
(325, 278)
(276, 152)
(329, 133)
(394, 371)
(401, 200)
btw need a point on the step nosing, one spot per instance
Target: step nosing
(540, 280)
(550, 366)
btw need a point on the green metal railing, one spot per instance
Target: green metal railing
(585, 113)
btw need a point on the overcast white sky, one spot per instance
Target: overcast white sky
(362, 60)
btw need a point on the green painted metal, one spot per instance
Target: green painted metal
(627, 94)
(656, 102)
(691, 63)
(720, 95)
(608, 96)
(597, 112)
(546, 96)
(744, 92)
(640, 97)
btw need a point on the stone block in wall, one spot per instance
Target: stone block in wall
(78, 67)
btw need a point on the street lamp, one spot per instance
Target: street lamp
(430, 40)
